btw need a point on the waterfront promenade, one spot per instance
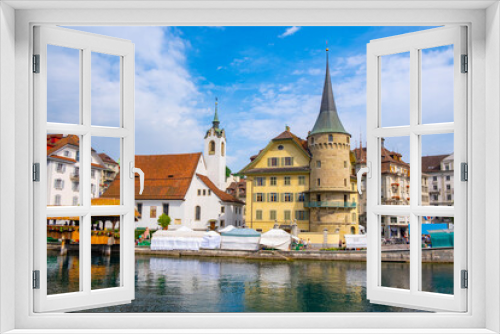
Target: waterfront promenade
(429, 255)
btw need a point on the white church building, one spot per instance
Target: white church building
(189, 188)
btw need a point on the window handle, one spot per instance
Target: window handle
(139, 171)
(360, 173)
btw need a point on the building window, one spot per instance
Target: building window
(273, 197)
(434, 178)
(199, 192)
(259, 197)
(209, 192)
(260, 181)
(222, 149)
(287, 197)
(435, 197)
(302, 180)
(353, 230)
(92, 173)
(330, 138)
(318, 182)
(312, 140)
(92, 189)
(211, 148)
(204, 192)
(273, 180)
(345, 182)
(318, 197)
(59, 184)
(75, 200)
(258, 215)
(447, 167)
(287, 215)
(354, 217)
(222, 223)
(449, 197)
(435, 187)
(165, 208)
(280, 147)
(301, 197)
(288, 161)
(66, 153)
(345, 164)
(139, 208)
(288, 180)
(57, 200)
(448, 187)
(152, 212)
(272, 162)
(318, 164)
(448, 177)
(222, 209)
(77, 155)
(272, 215)
(301, 215)
(76, 171)
(197, 215)
(76, 186)
(60, 168)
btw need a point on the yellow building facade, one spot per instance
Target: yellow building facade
(308, 182)
(277, 185)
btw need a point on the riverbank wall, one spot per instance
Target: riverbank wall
(429, 255)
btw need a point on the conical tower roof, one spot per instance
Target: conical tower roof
(328, 120)
(216, 122)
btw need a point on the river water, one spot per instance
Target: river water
(166, 284)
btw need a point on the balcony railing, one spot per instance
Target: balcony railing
(330, 204)
(74, 177)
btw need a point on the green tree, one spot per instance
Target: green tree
(164, 221)
(228, 172)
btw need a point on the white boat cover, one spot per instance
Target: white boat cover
(353, 241)
(228, 228)
(182, 239)
(277, 239)
(240, 239)
(211, 240)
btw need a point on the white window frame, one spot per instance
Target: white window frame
(483, 101)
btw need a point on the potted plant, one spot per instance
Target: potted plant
(164, 221)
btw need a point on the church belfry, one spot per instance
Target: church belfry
(214, 151)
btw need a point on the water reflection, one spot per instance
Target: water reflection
(235, 285)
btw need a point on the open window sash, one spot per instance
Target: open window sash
(85, 44)
(414, 43)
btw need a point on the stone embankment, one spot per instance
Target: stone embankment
(441, 255)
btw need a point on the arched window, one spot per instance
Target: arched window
(197, 214)
(353, 230)
(222, 149)
(211, 148)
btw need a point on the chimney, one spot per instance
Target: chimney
(287, 128)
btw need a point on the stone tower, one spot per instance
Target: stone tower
(330, 188)
(215, 152)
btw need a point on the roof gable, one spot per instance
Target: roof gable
(166, 176)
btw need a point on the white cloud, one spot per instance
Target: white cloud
(289, 31)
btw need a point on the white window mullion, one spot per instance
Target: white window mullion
(415, 173)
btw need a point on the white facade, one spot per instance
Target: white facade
(215, 156)
(184, 212)
(63, 176)
(441, 183)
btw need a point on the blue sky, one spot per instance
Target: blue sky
(264, 77)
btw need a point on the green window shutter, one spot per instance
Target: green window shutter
(264, 181)
(268, 162)
(296, 214)
(291, 197)
(291, 161)
(282, 161)
(268, 197)
(282, 197)
(306, 215)
(255, 197)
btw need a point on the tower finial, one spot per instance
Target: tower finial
(327, 46)
(216, 116)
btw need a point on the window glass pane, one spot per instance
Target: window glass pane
(395, 89)
(63, 170)
(437, 254)
(395, 246)
(437, 168)
(63, 255)
(395, 171)
(437, 84)
(105, 171)
(63, 85)
(105, 90)
(105, 239)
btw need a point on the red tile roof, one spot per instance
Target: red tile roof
(222, 195)
(432, 163)
(166, 176)
(56, 142)
(107, 159)
(288, 135)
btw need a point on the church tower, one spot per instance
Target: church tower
(215, 152)
(331, 195)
